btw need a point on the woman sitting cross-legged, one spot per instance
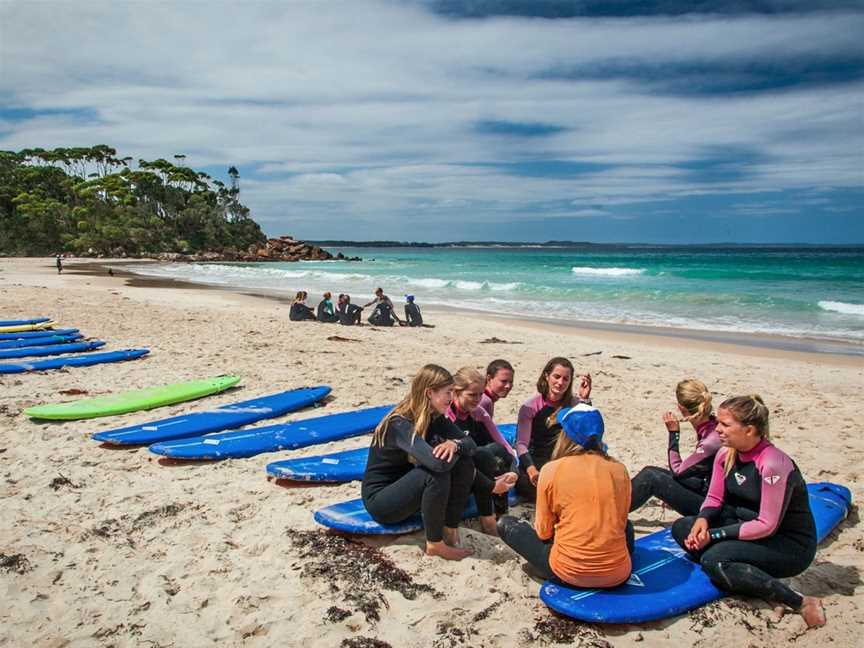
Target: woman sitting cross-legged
(581, 535)
(755, 526)
(420, 461)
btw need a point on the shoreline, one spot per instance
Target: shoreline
(760, 342)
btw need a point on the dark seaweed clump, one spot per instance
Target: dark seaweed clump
(364, 642)
(17, 563)
(553, 628)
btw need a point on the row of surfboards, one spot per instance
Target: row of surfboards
(38, 338)
(663, 583)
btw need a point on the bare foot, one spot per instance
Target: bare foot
(779, 612)
(446, 552)
(489, 525)
(813, 612)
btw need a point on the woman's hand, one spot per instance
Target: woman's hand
(671, 422)
(533, 474)
(698, 538)
(504, 483)
(585, 387)
(445, 451)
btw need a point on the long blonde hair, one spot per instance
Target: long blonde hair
(694, 396)
(747, 410)
(465, 377)
(416, 406)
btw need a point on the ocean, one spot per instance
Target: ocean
(806, 292)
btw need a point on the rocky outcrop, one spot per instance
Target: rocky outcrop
(284, 248)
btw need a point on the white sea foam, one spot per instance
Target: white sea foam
(842, 307)
(606, 272)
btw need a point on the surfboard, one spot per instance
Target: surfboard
(345, 466)
(352, 517)
(24, 335)
(53, 349)
(132, 401)
(21, 328)
(40, 341)
(36, 320)
(664, 581)
(290, 436)
(73, 361)
(226, 417)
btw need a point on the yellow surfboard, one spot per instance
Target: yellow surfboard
(41, 326)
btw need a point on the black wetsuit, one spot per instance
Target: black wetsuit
(403, 476)
(349, 314)
(412, 314)
(300, 312)
(324, 314)
(382, 315)
(760, 525)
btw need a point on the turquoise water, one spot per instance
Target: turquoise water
(800, 292)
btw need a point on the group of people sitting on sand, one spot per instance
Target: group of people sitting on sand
(348, 314)
(745, 507)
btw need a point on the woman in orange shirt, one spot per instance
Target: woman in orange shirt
(581, 535)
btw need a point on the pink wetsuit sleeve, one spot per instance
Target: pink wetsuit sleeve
(774, 469)
(481, 415)
(487, 405)
(717, 489)
(524, 423)
(705, 448)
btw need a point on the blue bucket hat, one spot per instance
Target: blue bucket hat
(409, 298)
(582, 423)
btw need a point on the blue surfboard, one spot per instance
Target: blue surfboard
(345, 466)
(73, 361)
(352, 517)
(51, 349)
(24, 322)
(23, 335)
(40, 341)
(664, 581)
(226, 417)
(290, 436)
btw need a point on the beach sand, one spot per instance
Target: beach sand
(107, 547)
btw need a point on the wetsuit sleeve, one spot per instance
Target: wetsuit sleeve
(706, 447)
(482, 416)
(523, 432)
(401, 433)
(674, 454)
(451, 431)
(713, 504)
(544, 519)
(774, 471)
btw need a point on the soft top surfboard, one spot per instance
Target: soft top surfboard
(226, 417)
(345, 466)
(73, 361)
(53, 349)
(132, 401)
(24, 335)
(254, 441)
(36, 320)
(664, 581)
(39, 341)
(20, 328)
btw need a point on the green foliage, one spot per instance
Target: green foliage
(89, 201)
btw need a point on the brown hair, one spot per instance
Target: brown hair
(747, 410)
(495, 366)
(300, 296)
(694, 396)
(416, 407)
(543, 386)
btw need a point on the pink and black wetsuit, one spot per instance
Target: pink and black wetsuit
(494, 456)
(760, 525)
(487, 402)
(684, 485)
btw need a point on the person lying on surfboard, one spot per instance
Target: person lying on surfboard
(755, 526)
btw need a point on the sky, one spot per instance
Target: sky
(441, 120)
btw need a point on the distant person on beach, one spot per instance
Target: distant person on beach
(494, 458)
(499, 382)
(412, 312)
(348, 313)
(537, 428)
(384, 313)
(326, 312)
(685, 484)
(755, 525)
(581, 535)
(59, 264)
(299, 310)
(420, 461)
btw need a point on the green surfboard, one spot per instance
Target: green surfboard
(132, 401)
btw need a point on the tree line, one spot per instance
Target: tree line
(89, 201)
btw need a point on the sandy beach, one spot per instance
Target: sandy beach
(114, 548)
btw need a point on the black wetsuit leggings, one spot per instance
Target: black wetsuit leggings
(685, 496)
(439, 496)
(752, 567)
(491, 460)
(521, 537)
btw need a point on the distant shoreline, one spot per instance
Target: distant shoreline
(585, 244)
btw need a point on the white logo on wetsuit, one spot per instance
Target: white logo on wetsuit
(700, 450)
(772, 479)
(740, 478)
